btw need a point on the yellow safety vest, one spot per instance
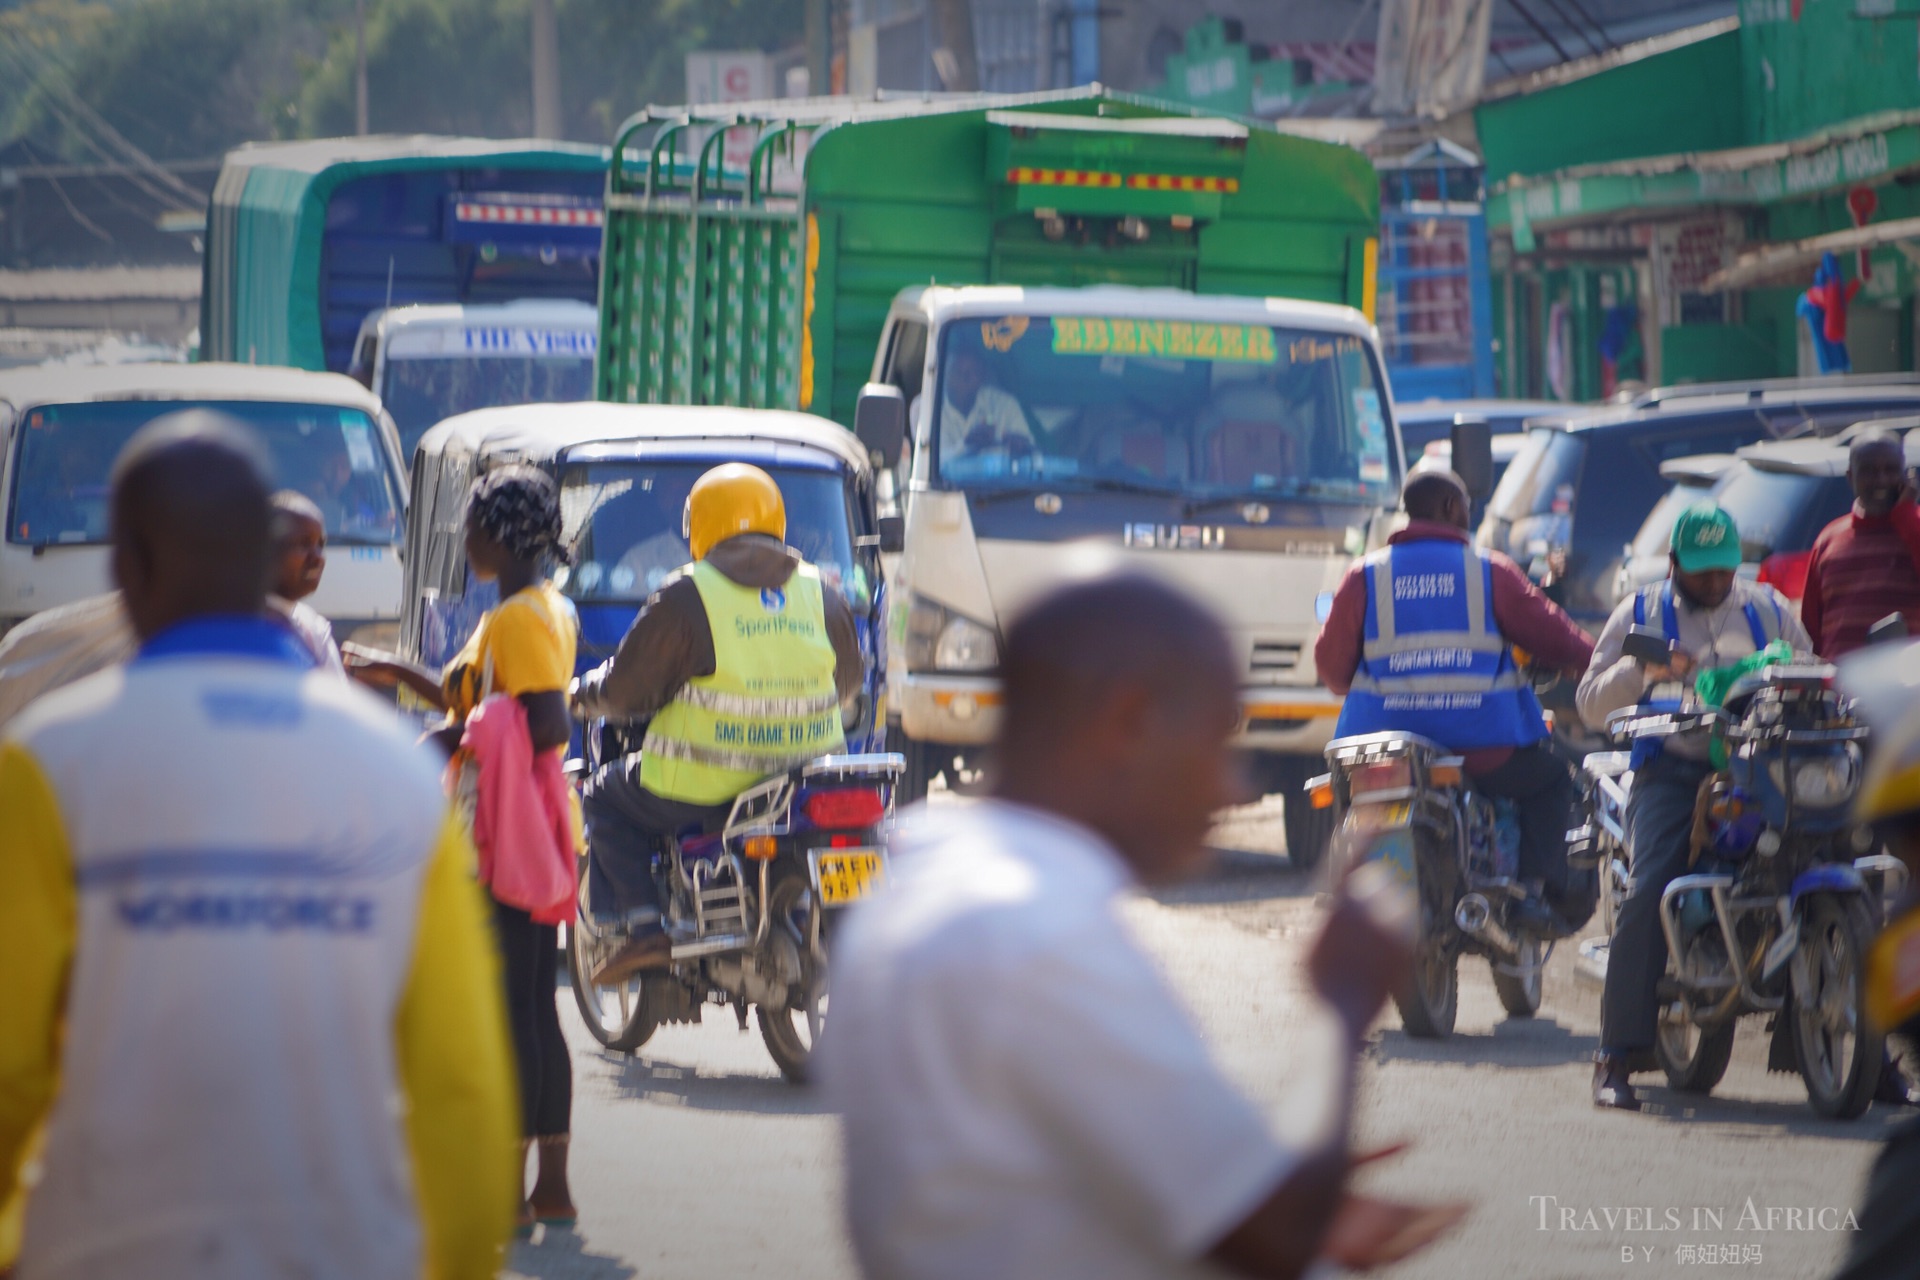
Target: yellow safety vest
(770, 703)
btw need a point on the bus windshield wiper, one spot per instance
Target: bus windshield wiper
(1290, 489)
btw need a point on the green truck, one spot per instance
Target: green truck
(1147, 332)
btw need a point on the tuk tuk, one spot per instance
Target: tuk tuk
(624, 473)
(325, 435)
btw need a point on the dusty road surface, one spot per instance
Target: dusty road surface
(693, 1159)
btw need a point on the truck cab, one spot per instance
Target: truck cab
(1243, 448)
(431, 362)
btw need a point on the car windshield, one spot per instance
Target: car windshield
(419, 392)
(333, 455)
(1541, 478)
(624, 522)
(1657, 529)
(1201, 410)
(1780, 510)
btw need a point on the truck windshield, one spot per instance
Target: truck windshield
(1198, 409)
(333, 455)
(419, 392)
(624, 521)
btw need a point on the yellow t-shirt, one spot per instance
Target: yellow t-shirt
(527, 642)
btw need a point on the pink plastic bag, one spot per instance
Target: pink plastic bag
(522, 825)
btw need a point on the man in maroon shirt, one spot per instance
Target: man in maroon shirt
(1533, 776)
(1864, 564)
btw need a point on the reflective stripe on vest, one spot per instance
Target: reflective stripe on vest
(1433, 661)
(1670, 618)
(770, 703)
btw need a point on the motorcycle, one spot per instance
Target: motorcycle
(750, 908)
(1407, 802)
(1783, 899)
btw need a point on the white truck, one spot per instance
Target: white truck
(1243, 448)
(429, 362)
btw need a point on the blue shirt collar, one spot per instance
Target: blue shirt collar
(228, 635)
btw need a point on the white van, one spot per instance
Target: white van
(61, 429)
(427, 363)
(1243, 448)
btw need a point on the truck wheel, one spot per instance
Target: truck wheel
(920, 771)
(1840, 1052)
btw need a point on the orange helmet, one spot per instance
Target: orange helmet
(732, 499)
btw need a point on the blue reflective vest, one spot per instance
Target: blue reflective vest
(1434, 662)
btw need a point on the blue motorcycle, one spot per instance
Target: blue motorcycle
(1783, 897)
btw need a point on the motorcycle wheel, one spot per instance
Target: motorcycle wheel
(1693, 1058)
(1429, 1003)
(616, 1016)
(790, 1034)
(1839, 1050)
(1309, 830)
(1520, 994)
(920, 771)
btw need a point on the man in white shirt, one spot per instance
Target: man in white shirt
(1024, 1095)
(975, 415)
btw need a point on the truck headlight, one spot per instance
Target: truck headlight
(1823, 782)
(938, 639)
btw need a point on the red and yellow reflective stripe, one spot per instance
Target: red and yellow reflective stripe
(1028, 176)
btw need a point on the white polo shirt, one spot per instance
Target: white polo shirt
(1024, 1096)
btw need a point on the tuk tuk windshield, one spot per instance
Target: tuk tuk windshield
(1197, 409)
(419, 392)
(333, 455)
(624, 527)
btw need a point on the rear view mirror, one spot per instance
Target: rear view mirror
(1644, 644)
(1891, 627)
(1473, 456)
(880, 422)
(893, 534)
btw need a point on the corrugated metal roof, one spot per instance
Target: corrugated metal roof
(322, 153)
(99, 284)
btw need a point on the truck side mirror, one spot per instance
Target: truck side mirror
(893, 534)
(880, 423)
(1473, 456)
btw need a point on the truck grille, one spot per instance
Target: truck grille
(1273, 660)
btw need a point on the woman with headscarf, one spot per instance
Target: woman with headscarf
(522, 648)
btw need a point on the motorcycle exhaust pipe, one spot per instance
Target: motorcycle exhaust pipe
(1474, 915)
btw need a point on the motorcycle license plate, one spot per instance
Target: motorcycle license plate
(848, 875)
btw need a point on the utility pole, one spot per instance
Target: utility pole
(360, 68)
(959, 71)
(546, 70)
(819, 41)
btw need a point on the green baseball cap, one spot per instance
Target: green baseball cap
(1705, 537)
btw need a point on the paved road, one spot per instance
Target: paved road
(693, 1160)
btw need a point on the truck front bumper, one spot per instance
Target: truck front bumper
(964, 711)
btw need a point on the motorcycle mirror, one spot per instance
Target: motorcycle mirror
(1644, 644)
(1472, 441)
(1891, 627)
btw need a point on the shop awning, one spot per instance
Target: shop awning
(1866, 151)
(1778, 259)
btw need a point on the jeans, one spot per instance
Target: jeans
(529, 961)
(1659, 832)
(626, 826)
(1541, 786)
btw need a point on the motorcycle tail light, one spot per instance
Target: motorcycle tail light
(845, 807)
(1786, 571)
(845, 842)
(1389, 775)
(1320, 795)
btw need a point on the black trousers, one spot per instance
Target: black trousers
(529, 955)
(1659, 831)
(1540, 784)
(626, 825)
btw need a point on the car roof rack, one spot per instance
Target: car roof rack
(1757, 388)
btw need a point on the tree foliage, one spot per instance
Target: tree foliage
(191, 78)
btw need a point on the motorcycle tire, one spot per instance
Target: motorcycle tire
(1309, 830)
(921, 769)
(1694, 1058)
(618, 1017)
(1839, 1051)
(1429, 1003)
(1520, 994)
(790, 1034)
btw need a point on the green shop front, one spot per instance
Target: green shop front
(1658, 216)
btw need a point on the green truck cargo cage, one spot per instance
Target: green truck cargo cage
(767, 286)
